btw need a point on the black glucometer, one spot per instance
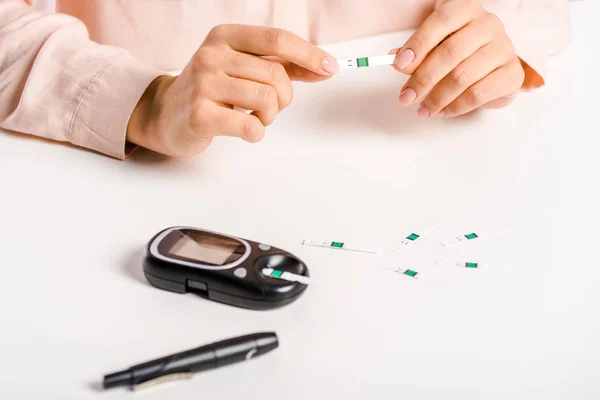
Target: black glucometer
(224, 268)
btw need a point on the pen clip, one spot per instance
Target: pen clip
(162, 379)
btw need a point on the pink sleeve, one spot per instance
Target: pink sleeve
(537, 28)
(57, 84)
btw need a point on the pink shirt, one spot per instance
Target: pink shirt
(77, 76)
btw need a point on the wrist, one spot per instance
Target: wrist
(143, 126)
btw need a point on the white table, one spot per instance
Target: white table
(345, 162)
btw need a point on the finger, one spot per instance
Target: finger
(501, 102)
(451, 53)
(266, 41)
(298, 73)
(467, 73)
(248, 95)
(444, 21)
(500, 83)
(212, 120)
(257, 69)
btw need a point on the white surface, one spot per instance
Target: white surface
(75, 304)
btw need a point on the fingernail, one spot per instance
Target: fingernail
(330, 66)
(441, 113)
(423, 111)
(407, 96)
(405, 58)
(394, 51)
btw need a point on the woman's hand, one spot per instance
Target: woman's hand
(459, 59)
(249, 67)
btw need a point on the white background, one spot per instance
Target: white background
(345, 162)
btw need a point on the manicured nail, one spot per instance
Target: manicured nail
(441, 114)
(423, 111)
(405, 58)
(330, 66)
(407, 96)
(394, 51)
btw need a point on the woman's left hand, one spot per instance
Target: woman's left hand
(459, 59)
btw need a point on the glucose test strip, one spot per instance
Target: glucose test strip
(339, 246)
(415, 235)
(367, 61)
(464, 264)
(469, 237)
(286, 276)
(411, 274)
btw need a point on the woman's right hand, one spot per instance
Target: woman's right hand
(242, 66)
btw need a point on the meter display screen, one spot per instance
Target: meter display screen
(202, 247)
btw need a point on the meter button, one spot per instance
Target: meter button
(264, 247)
(240, 273)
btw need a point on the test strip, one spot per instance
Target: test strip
(339, 246)
(415, 235)
(411, 273)
(286, 276)
(362, 62)
(469, 237)
(464, 264)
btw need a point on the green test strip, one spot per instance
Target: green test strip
(284, 275)
(415, 234)
(464, 264)
(470, 236)
(362, 62)
(411, 273)
(329, 244)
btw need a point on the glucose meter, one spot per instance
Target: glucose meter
(224, 268)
